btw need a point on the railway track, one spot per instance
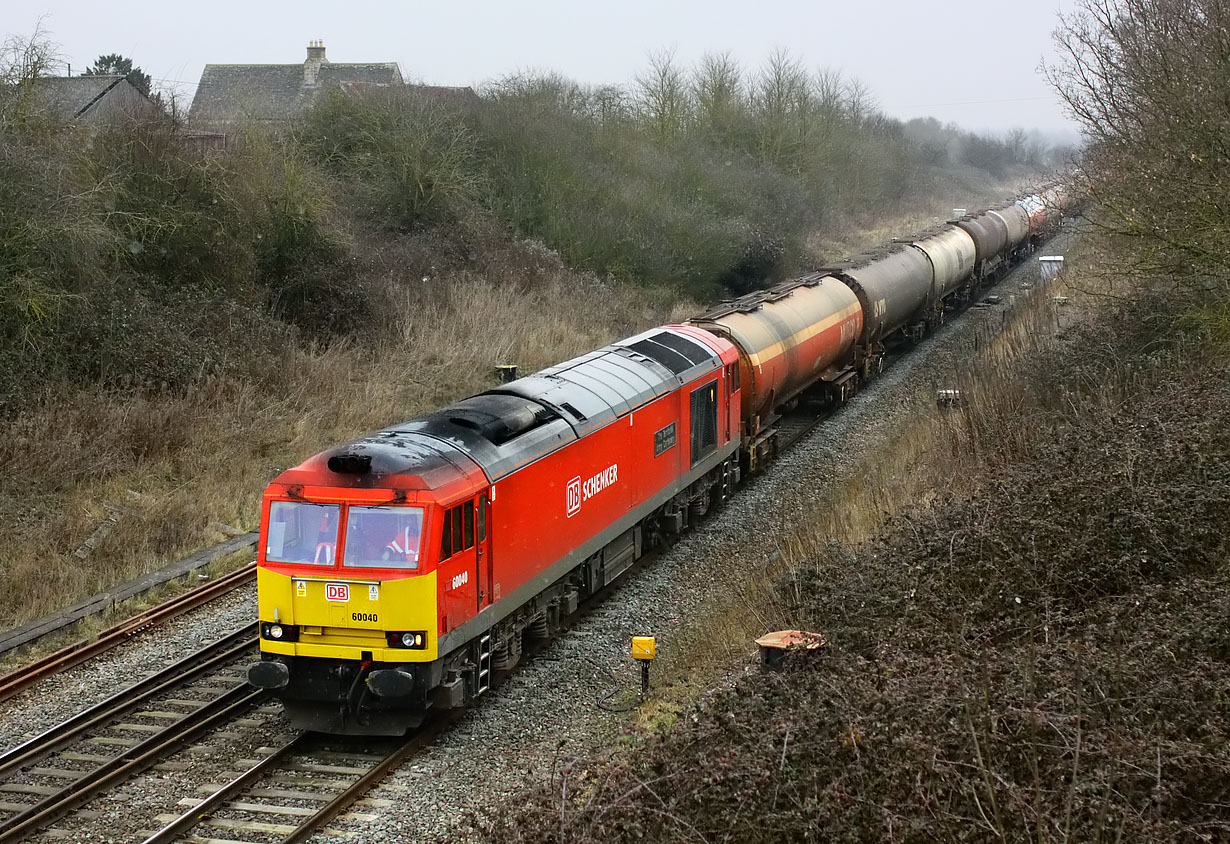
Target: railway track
(300, 787)
(62, 769)
(79, 652)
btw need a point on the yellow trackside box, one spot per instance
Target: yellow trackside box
(643, 647)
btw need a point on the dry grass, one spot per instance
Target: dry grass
(205, 456)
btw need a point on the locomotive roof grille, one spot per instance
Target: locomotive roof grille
(669, 358)
(678, 354)
(498, 417)
(691, 350)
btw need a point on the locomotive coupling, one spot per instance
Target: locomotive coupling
(390, 682)
(269, 674)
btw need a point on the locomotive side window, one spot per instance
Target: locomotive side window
(704, 421)
(383, 537)
(482, 517)
(458, 532)
(732, 374)
(302, 533)
(446, 536)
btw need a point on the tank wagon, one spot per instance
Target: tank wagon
(789, 339)
(400, 572)
(990, 235)
(896, 288)
(952, 254)
(1016, 224)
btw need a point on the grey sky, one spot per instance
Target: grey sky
(975, 63)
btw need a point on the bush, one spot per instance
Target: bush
(413, 157)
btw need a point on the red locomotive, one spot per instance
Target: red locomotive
(399, 571)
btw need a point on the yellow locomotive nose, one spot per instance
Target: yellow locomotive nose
(349, 618)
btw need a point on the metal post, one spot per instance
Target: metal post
(644, 679)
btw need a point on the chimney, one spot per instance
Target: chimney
(315, 58)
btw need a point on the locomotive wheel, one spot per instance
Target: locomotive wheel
(698, 507)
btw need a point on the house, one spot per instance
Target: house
(92, 99)
(230, 95)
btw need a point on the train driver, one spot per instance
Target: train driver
(326, 538)
(404, 545)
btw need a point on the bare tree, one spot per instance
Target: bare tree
(1147, 81)
(663, 97)
(860, 102)
(717, 87)
(781, 97)
(24, 60)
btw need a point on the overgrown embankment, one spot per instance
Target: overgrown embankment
(1036, 651)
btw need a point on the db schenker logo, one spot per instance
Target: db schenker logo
(574, 496)
(580, 491)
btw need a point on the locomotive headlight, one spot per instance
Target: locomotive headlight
(414, 639)
(277, 632)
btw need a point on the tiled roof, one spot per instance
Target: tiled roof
(66, 97)
(230, 93)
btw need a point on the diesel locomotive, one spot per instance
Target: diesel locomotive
(400, 572)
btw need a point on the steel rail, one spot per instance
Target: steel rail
(412, 744)
(229, 647)
(372, 778)
(215, 801)
(129, 763)
(78, 652)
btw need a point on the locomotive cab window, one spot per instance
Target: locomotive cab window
(383, 537)
(304, 533)
(458, 532)
(704, 421)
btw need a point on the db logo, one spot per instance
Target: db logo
(337, 592)
(574, 496)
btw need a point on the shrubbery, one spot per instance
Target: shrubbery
(128, 255)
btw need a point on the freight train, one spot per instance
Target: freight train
(401, 572)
